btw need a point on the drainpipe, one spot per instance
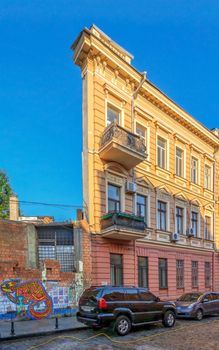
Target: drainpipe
(214, 224)
(134, 96)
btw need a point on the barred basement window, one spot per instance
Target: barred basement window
(207, 274)
(179, 273)
(56, 244)
(194, 274)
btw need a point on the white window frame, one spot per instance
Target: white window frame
(211, 177)
(198, 170)
(109, 102)
(159, 135)
(183, 161)
(147, 133)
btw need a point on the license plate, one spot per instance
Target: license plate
(87, 308)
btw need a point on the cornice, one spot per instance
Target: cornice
(113, 58)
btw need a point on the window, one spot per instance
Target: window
(114, 294)
(179, 273)
(208, 177)
(162, 216)
(194, 223)
(142, 271)
(113, 115)
(131, 294)
(194, 170)
(162, 273)
(116, 270)
(142, 207)
(207, 274)
(179, 162)
(142, 132)
(207, 227)
(56, 243)
(194, 274)
(161, 152)
(179, 220)
(147, 296)
(114, 201)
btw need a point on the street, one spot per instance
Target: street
(186, 335)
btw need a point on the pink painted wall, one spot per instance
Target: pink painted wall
(101, 249)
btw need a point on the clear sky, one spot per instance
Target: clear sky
(176, 42)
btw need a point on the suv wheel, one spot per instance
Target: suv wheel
(199, 315)
(122, 325)
(169, 319)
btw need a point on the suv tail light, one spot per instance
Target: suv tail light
(102, 303)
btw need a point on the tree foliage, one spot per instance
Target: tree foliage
(5, 192)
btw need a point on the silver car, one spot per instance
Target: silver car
(196, 305)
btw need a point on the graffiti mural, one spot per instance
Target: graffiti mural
(30, 293)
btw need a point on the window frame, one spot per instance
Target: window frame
(159, 213)
(182, 219)
(165, 161)
(160, 272)
(143, 270)
(107, 199)
(116, 106)
(208, 274)
(180, 273)
(197, 221)
(196, 179)
(116, 268)
(208, 180)
(208, 234)
(182, 160)
(146, 216)
(195, 275)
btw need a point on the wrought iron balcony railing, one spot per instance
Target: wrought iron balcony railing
(124, 137)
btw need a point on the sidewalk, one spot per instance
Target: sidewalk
(31, 328)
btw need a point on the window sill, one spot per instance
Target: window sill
(162, 231)
(166, 171)
(195, 184)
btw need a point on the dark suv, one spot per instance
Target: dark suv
(123, 307)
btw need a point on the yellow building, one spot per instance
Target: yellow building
(150, 177)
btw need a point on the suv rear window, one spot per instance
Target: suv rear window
(114, 294)
(91, 293)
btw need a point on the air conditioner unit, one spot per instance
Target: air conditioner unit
(130, 187)
(175, 237)
(190, 232)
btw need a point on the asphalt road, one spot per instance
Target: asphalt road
(186, 335)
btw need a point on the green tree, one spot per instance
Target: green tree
(5, 192)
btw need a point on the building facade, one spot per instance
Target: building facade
(150, 178)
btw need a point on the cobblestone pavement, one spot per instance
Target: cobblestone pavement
(186, 335)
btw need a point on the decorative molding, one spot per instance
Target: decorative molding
(163, 127)
(116, 168)
(143, 113)
(181, 139)
(114, 91)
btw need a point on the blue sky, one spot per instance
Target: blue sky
(176, 42)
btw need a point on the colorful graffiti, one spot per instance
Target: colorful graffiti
(30, 293)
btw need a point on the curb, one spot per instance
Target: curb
(40, 334)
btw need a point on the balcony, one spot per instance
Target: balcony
(122, 226)
(122, 146)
